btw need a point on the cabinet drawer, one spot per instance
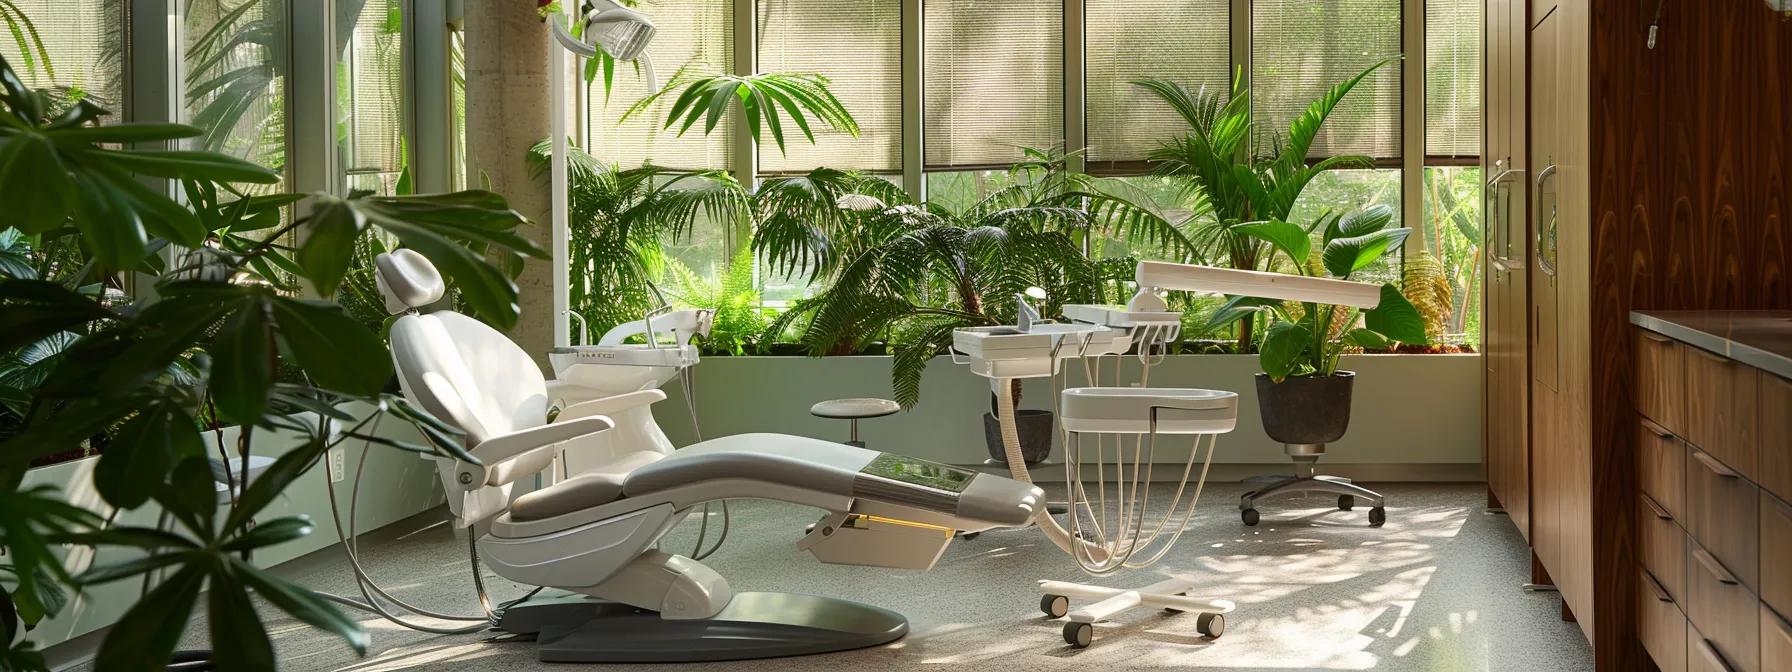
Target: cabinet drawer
(1776, 642)
(1663, 547)
(1660, 625)
(1775, 435)
(1661, 466)
(1776, 548)
(1660, 380)
(1725, 611)
(1720, 409)
(1722, 514)
(1702, 655)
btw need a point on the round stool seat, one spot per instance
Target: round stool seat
(854, 409)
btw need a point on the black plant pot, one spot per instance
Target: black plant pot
(1307, 410)
(1035, 429)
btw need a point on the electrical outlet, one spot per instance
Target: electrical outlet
(338, 464)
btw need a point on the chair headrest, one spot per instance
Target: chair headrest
(407, 280)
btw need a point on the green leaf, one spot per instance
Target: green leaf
(242, 364)
(270, 533)
(1396, 318)
(285, 469)
(1365, 221)
(34, 184)
(32, 310)
(1365, 338)
(184, 164)
(329, 243)
(338, 352)
(1283, 349)
(142, 453)
(1344, 256)
(124, 134)
(239, 642)
(108, 223)
(144, 638)
(1288, 238)
(1237, 308)
(303, 604)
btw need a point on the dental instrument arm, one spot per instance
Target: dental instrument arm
(1192, 278)
(610, 405)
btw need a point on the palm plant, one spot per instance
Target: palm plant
(1238, 181)
(619, 220)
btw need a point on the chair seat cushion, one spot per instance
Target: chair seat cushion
(852, 409)
(579, 492)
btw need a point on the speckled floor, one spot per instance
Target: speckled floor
(1436, 589)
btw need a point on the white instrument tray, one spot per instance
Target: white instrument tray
(629, 354)
(1068, 340)
(1127, 410)
(1118, 316)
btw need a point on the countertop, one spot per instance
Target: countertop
(1758, 338)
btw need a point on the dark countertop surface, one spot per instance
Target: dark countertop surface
(1759, 338)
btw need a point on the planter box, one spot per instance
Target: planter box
(397, 485)
(1416, 417)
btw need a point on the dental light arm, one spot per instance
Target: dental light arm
(1192, 278)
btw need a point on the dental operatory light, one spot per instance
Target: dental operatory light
(621, 32)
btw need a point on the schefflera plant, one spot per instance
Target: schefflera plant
(1308, 339)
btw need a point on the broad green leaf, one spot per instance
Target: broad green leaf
(329, 243)
(1237, 308)
(1396, 318)
(144, 638)
(242, 364)
(1365, 221)
(271, 533)
(34, 183)
(190, 495)
(1283, 349)
(239, 642)
(303, 604)
(123, 134)
(143, 452)
(1365, 338)
(1345, 256)
(486, 288)
(336, 351)
(185, 164)
(108, 223)
(1290, 239)
(285, 469)
(32, 310)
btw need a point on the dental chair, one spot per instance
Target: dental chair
(592, 536)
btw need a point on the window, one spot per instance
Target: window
(457, 98)
(1346, 191)
(370, 97)
(994, 80)
(235, 79)
(1301, 48)
(858, 46)
(1185, 41)
(1451, 232)
(1452, 237)
(84, 42)
(1453, 79)
(694, 38)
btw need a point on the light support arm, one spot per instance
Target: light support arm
(1192, 278)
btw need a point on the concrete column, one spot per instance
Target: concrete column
(507, 113)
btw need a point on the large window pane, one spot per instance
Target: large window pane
(1453, 78)
(857, 44)
(1185, 41)
(370, 97)
(82, 48)
(1301, 48)
(994, 74)
(235, 78)
(695, 37)
(1452, 237)
(1346, 191)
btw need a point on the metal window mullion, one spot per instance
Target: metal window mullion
(152, 84)
(1412, 124)
(914, 179)
(311, 96)
(1076, 132)
(745, 162)
(429, 105)
(1241, 27)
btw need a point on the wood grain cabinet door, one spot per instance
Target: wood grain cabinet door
(1721, 419)
(1660, 380)
(1775, 417)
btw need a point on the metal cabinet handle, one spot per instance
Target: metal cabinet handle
(1781, 625)
(1784, 508)
(1716, 568)
(1656, 429)
(1715, 466)
(1654, 585)
(1658, 338)
(1546, 235)
(1707, 354)
(1497, 191)
(1660, 512)
(1712, 655)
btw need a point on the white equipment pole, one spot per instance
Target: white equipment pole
(558, 188)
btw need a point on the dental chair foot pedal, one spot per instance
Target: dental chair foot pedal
(579, 629)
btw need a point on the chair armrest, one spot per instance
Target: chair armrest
(610, 405)
(507, 455)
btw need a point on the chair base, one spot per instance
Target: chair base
(1305, 480)
(579, 629)
(1105, 603)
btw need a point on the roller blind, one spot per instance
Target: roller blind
(1301, 48)
(1453, 78)
(857, 44)
(370, 103)
(994, 79)
(234, 80)
(1187, 41)
(85, 41)
(692, 35)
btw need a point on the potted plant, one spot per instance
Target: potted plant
(1304, 397)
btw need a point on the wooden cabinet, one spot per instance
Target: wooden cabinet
(1721, 510)
(1776, 641)
(1505, 341)
(1720, 409)
(1661, 626)
(1660, 380)
(1723, 609)
(1775, 432)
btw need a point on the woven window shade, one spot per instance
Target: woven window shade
(696, 36)
(1453, 78)
(994, 78)
(244, 118)
(374, 109)
(1301, 48)
(857, 44)
(1186, 41)
(86, 44)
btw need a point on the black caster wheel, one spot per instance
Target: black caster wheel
(1079, 635)
(970, 535)
(1250, 517)
(1054, 606)
(1377, 516)
(1346, 502)
(1211, 626)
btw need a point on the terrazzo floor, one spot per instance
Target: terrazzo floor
(1436, 589)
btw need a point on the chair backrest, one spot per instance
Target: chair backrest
(483, 383)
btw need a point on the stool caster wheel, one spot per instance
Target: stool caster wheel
(1079, 635)
(1377, 516)
(1054, 606)
(1346, 502)
(1250, 517)
(1211, 626)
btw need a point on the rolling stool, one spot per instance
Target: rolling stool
(854, 410)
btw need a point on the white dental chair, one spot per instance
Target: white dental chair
(593, 535)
